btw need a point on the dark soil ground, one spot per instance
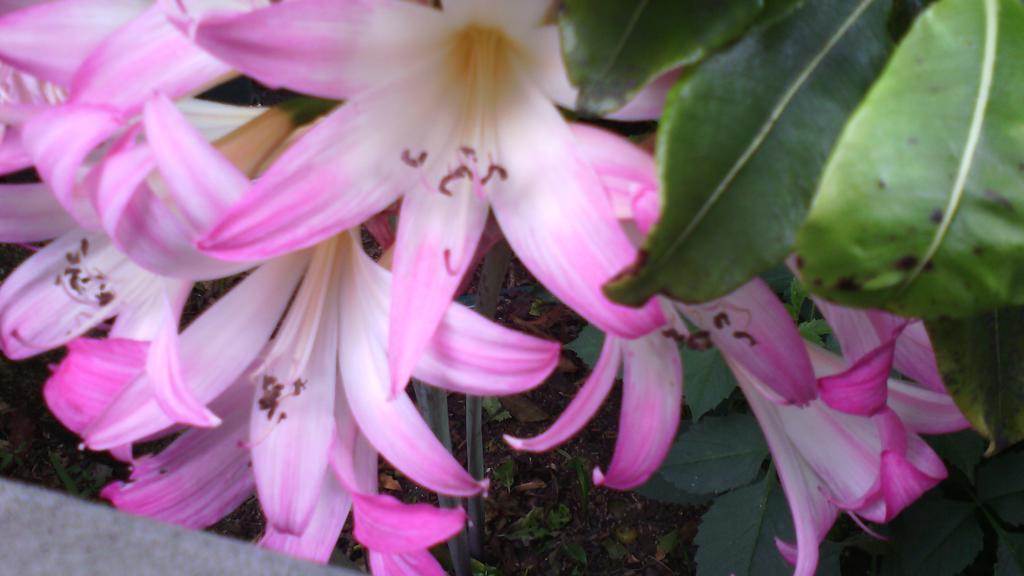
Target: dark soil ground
(543, 516)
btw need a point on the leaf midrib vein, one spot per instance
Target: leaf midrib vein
(766, 129)
(973, 138)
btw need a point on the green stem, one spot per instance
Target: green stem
(433, 405)
(492, 276)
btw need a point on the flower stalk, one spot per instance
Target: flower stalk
(492, 276)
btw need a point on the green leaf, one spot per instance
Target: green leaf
(1001, 486)
(937, 537)
(716, 454)
(1010, 561)
(961, 449)
(815, 330)
(982, 365)
(588, 345)
(737, 534)
(742, 144)
(921, 207)
(614, 48)
(708, 380)
(660, 489)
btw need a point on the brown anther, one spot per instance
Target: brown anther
(271, 398)
(85, 247)
(745, 336)
(105, 298)
(298, 386)
(73, 257)
(412, 162)
(721, 320)
(495, 169)
(282, 416)
(468, 152)
(675, 335)
(460, 172)
(699, 341)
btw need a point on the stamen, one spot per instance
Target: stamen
(721, 320)
(675, 335)
(699, 341)
(461, 172)
(740, 335)
(412, 162)
(495, 169)
(468, 152)
(81, 284)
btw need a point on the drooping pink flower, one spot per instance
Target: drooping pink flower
(743, 325)
(451, 110)
(302, 331)
(870, 465)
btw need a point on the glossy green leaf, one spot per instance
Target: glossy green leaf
(961, 449)
(1001, 486)
(743, 142)
(1010, 561)
(709, 380)
(715, 455)
(737, 534)
(588, 345)
(921, 207)
(937, 537)
(615, 47)
(982, 365)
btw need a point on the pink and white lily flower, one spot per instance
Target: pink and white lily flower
(303, 330)
(109, 57)
(204, 474)
(870, 465)
(453, 111)
(742, 325)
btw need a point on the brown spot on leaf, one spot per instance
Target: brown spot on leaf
(847, 284)
(936, 216)
(998, 198)
(906, 263)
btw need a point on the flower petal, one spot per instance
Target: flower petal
(437, 237)
(88, 379)
(30, 213)
(66, 289)
(862, 388)
(813, 513)
(584, 405)
(51, 39)
(163, 369)
(59, 141)
(321, 536)
(557, 217)
(925, 411)
(649, 102)
(144, 226)
(145, 56)
(394, 427)
(472, 355)
(652, 400)
(202, 182)
(916, 358)
(383, 524)
(292, 441)
(200, 478)
(628, 173)
(330, 180)
(327, 48)
(216, 349)
(752, 327)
